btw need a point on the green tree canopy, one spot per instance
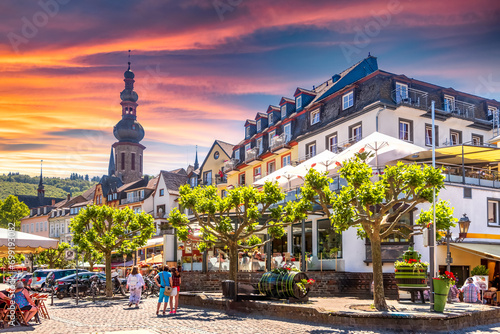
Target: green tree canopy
(54, 257)
(11, 212)
(232, 221)
(104, 229)
(373, 204)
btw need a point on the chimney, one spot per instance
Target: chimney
(53, 202)
(68, 197)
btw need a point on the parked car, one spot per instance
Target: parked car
(25, 279)
(39, 280)
(63, 284)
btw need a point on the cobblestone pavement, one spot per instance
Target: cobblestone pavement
(113, 316)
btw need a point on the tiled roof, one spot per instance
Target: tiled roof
(173, 180)
(89, 193)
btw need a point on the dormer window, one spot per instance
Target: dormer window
(492, 110)
(247, 132)
(270, 118)
(347, 100)
(283, 111)
(258, 125)
(449, 103)
(315, 117)
(298, 101)
(237, 154)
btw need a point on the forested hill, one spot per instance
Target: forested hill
(18, 184)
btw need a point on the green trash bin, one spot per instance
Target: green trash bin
(441, 289)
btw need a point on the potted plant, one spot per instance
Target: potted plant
(481, 278)
(285, 282)
(442, 285)
(411, 272)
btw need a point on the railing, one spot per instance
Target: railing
(251, 154)
(230, 165)
(472, 176)
(131, 199)
(459, 108)
(279, 141)
(220, 180)
(413, 97)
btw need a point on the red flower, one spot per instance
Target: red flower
(362, 150)
(314, 164)
(338, 163)
(288, 269)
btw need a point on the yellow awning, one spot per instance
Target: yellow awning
(453, 155)
(487, 251)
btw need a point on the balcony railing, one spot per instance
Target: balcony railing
(230, 165)
(280, 141)
(132, 199)
(472, 176)
(413, 97)
(252, 154)
(459, 108)
(220, 180)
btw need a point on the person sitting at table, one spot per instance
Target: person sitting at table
(4, 300)
(471, 291)
(24, 301)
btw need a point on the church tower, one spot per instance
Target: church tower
(128, 161)
(41, 188)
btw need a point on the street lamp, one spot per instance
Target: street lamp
(463, 225)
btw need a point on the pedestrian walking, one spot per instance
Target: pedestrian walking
(135, 284)
(176, 288)
(163, 280)
(471, 291)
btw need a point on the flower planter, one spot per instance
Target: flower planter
(282, 285)
(408, 277)
(441, 289)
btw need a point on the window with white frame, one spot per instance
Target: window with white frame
(237, 154)
(286, 160)
(247, 148)
(428, 135)
(449, 103)
(298, 101)
(311, 149)
(405, 130)
(36, 227)
(247, 132)
(355, 133)
(493, 215)
(32, 228)
(315, 116)
(401, 92)
(492, 110)
(332, 143)
(477, 140)
(455, 137)
(270, 118)
(271, 167)
(347, 100)
(283, 111)
(271, 136)
(287, 130)
(257, 171)
(241, 179)
(260, 145)
(258, 125)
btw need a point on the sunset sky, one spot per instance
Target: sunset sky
(202, 67)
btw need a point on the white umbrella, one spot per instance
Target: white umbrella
(282, 176)
(384, 147)
(22, 242)
(322, 162)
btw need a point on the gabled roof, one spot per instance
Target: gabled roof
(172, 180)
(286, 100)
(89, 193)
(250, 122)
(190, 169)
(32, 201)
(303, 90)
(272, 108)
(260, 115)
(130, 185)
(180, 171)
(228, 148)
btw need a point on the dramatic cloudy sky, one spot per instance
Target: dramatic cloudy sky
(204, 66)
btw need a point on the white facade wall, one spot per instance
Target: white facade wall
(167, 199)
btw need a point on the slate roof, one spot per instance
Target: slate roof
(89, 193)
(173, 180)
(32, 201)
(180, 171)
(110, 183)
(228, 148)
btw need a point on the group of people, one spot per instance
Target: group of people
(472, 294)
(22, 298)
(164, 277)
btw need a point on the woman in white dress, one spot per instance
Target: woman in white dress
(135, 284)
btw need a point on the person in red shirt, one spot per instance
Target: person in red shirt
(176, 285)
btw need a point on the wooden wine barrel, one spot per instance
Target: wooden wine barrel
(406, 277)
(282, 285)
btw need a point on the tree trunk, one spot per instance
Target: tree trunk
(378, 277)
(109, 284)
(233, 267)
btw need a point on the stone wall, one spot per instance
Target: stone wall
(328, 283)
